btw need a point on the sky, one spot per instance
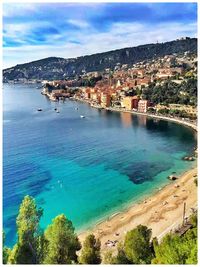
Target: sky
(33, 31)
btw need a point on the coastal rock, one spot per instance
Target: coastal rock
(188, 158)
(191, 159)
(172, 177)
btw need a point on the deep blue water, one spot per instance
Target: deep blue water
(86, 168)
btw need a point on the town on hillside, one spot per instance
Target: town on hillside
(166, 85)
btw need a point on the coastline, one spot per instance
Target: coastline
(176, 120)
(162, 212)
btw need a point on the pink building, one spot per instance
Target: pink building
(143, 105)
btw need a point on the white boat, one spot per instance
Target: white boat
(82, 116)
(57, 111)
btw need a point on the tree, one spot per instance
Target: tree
(193, 220)
(25, 251)
(167, 251)
(120, 258)
(90, 253)
(6, 251)
(175, 249)
(108, 258)
(62, 242)
(137, 245)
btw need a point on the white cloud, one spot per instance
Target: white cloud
(22, 32)
(120, 35)
(11, 9)
(79, 23)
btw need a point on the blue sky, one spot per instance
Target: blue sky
(33, 31)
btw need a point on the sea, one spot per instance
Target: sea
(86, 168)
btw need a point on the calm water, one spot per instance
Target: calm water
(86, 168)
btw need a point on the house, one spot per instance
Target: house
(87, 93)
(143, 105)
(130, 102)
(105, 99)
(144, 81)
(164, 73)
(94, 96)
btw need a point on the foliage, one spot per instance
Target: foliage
(54, 68)
(49, 87)
(163, 111)
(91, 82)
(172, 93)
(59, 243)
(120, 258)
(62, 242)
(151, 110)
(108, 258)
(175, 249)
(25, 251)
(137, 245)
(6, 251)
(193, 220)
(90, 253)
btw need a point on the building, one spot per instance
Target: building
(164, 73)
(140, 73)
(87, 94)
(105, 100)
(145, 81)
(130, 102)
(143, 105)
(135, 101)
(57, 91)
(94, 96)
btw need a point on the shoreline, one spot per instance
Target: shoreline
(161, 211)
(175, 120)
(116, 225)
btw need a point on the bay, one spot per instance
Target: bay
(87, 168)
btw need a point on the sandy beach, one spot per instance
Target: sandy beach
(161, 212)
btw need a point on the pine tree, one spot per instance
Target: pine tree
(25, 251)
(6, 251)
(62, 242)
(90, 253)
(137, 245)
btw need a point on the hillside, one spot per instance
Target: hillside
(59, 68)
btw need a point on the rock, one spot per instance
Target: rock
(172, 177)
(190, 158)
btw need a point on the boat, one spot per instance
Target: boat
(76, 108)
(39, 109)
(57, 111)
(82, 116)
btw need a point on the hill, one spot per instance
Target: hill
(53, 68)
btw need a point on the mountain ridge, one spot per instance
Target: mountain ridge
(60, 68)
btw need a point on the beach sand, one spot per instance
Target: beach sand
(161, 212)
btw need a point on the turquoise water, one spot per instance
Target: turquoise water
(86, 168)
